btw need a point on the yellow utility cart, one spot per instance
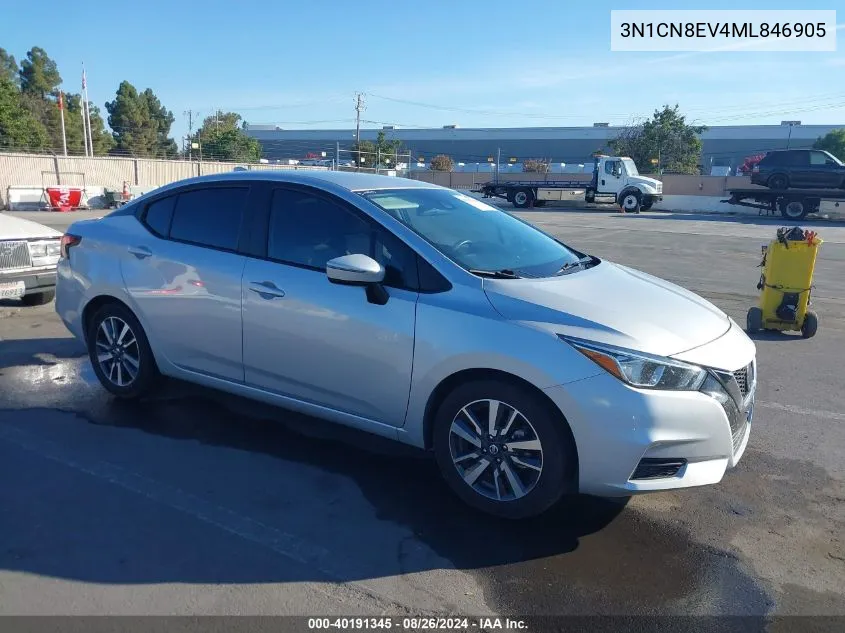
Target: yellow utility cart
(785, 283)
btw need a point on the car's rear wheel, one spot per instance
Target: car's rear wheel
(38, 298)
(779, 181)
(120, 353)
(502, 450)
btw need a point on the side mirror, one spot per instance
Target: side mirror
(354, 270)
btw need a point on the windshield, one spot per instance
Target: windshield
(630, 167)
(474, 234)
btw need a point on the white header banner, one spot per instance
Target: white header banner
(726, 31)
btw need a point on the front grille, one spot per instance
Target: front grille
(738, 434)
(744, 378)
(657, 468)
(14, 255)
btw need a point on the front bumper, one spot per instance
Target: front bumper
(616, 427)
(35, 281)
(652, 198)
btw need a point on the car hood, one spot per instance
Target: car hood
(612, 304)
(648, 182)
(12, 228)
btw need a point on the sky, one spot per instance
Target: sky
(474, 63)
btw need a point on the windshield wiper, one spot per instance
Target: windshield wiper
(583, 262)
(505, 273)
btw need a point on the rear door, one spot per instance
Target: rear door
(798, 167)
(320, 342)
(184, 274)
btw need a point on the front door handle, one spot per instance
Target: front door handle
(141, 252)
(266, 289)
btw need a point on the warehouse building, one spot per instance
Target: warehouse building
(724, 147)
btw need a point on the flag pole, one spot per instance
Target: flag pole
(87, 110)
(62, 114)
(82, 110)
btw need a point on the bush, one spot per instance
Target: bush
(441, 162)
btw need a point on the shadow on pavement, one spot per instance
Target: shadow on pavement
(164, 490)
(20, 351)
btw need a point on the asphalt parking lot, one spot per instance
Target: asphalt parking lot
(194, 503)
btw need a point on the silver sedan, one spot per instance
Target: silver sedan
(530, 369)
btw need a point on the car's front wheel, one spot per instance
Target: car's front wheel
(120, 353)
(502, 449)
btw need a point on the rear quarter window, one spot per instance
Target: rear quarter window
(158, 215)
(209, 217)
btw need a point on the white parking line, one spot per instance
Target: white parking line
(830, 415)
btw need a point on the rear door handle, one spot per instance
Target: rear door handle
(141, 252)
(266, 289)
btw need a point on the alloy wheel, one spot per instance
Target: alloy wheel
(496, 450)
(117, 351)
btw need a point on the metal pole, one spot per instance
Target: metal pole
(62, 113)
(84, 125)
(498, 160)
(87, 110)
(337, 155)
(789, 138)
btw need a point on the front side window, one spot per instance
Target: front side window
(309, 230)
(474, 234)
(209, 217)
(818, 158)
(610, 167)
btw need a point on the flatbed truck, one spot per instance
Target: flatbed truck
(615, 180)
(792, 204)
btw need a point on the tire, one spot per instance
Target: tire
(38, 298)
(489, 492)
(631, 201)
(523, 198)
(122, 382)
(810, 324)
(778, 181)
(590, 197)
(793, 209)
(754, 320)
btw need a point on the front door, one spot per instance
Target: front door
(611, 177)
(317, 341)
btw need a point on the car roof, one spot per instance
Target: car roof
(350, 181)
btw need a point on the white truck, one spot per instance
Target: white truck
(615, 180)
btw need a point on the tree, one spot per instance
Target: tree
(536, 165)
(9, 68)
(39, 74)
(19, 129)
(833, 142)
(366, 154)
(222, 138)
(140, 124)
(666, 139)
(441, 162)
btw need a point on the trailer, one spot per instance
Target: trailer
(792, 204)
(615, 180)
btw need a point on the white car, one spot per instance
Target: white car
(29, 253)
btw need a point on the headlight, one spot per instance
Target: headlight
(642, 370)
(45, 253)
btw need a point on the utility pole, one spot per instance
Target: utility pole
(359, 107)
(190, 115)
(498, 161)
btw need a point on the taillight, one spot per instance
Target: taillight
(68, 240)
(756, 169)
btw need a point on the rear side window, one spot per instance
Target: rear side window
(158, 216)
(209, 217)
(797, 159)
